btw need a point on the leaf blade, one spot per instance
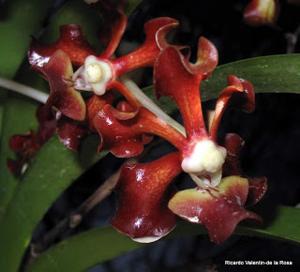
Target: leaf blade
(86, 249)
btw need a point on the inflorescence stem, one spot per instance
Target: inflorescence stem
(24, 90)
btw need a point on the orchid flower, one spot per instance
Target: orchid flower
(96, 73)
(218, 199)
(100, 72)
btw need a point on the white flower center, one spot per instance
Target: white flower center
(93, 75)
(94, 72)
(206, 158)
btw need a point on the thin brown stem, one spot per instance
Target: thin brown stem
(75, 218)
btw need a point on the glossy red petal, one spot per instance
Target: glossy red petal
(71, 41)
(142, 212)
(128, 148)
(146, 54)
(18, 143)
(124, 111)
(117, 32)
(248, 104)
(219, 210)
(95, 104)
(114, 132)
(207, 57)
(70, 133)
(261, 12)
(117, 136)
(27, 145)
(63, 96)
(233, 144)
(174, 80)
(235, 86)
(257, 189)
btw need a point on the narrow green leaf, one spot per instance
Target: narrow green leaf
(266, 74)
(75, 12)
(22, 20)
(102, 244)
(131, 6)
(269, 74)
(50, 173)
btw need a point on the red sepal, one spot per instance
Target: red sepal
(257, 189)
(27, 145)
(124, 138)
(235, 86)
(70, 133)
(173, 79)
(233, 144)
(142, 212)
(146, 54)
(94, 105)
(63, 96)
(71, 41)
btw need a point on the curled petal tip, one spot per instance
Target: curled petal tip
(146, 55)
(62, 95)
(249, 104)
(257, 189)
(207, 57)
(117, 135)
(173, 78)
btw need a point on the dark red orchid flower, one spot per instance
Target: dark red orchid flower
(95, 72)
(25, 146)
(221, 208)
(218, 200)
(99, 73)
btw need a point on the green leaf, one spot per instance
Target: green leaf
(102, 244)
(265, 73)
(50, 173)
(131, 6)
(22, 20)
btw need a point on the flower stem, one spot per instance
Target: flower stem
(75, 217)
(151, 106)
(24, 90)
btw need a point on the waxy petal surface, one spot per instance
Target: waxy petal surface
(174, 80)
(70, 133)
(142, 212)
(146, 54)
(71, 41)
(63, 96)
(128, 135)
(219, 209)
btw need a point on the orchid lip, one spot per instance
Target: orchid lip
(94, 75)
